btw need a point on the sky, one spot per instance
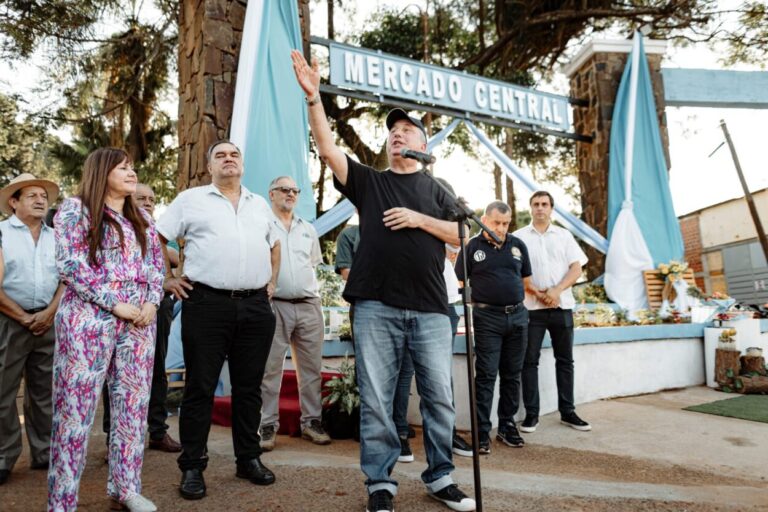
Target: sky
(696, 180)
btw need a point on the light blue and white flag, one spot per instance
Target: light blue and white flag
(269, 118)
(642, 227)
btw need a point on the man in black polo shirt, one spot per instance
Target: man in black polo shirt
(498, 276)
(397, 286)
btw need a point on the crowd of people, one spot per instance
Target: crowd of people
(85, 306)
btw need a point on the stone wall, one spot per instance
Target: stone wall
(209, 44)
(597, 81)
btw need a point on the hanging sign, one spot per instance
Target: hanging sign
(387, 75)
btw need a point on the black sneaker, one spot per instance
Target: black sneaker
(454, 498)
(509, 435)
(572, 420)
(460, 446)
(529, 424)
(484, 446)
(380, 501)
(406, 455)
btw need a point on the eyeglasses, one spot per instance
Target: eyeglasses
(287, 190)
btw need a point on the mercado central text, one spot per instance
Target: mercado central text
(387, 75)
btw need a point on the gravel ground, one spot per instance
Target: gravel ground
(339, 487)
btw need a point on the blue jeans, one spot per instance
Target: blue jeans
(383, 335)
(403, 392)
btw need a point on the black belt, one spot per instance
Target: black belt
(232, 294)
(294, 301)
(35, 310)
(499, 309)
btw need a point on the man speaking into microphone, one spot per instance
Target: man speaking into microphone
(398, 290)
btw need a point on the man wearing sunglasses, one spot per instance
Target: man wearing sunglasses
(299, 318)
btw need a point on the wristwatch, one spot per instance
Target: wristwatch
(313, 101)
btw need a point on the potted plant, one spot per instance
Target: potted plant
(341, 413)
(727, 340)
(345, 332)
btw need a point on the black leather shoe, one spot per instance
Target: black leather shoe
(4, 475)
(256, 472)
(192, 484)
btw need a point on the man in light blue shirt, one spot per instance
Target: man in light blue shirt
(29, 296)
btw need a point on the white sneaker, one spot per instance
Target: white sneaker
(136, 503)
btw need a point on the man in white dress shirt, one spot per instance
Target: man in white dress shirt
(230, 271)
(299, 317)
(556, 261)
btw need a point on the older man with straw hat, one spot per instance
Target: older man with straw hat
(29, 295)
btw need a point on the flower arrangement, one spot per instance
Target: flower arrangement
(673, 270)
(727, 340)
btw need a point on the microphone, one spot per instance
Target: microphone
(424, 158)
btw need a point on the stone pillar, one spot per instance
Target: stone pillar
(209, 44)
(594, 76)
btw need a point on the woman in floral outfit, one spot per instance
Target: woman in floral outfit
(108, 254)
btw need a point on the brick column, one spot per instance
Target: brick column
(209, 44)
(691, 231)
(594, 76)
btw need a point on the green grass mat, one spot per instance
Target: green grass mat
(747, 407)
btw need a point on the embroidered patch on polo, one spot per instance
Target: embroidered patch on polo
(479, 255)
(516, 253)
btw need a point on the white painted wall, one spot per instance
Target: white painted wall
(602, 370)
(730, 221)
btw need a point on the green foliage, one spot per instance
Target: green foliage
(342, 390)
(590, 293)
(748, 41)
(24, 25)
(331, 286)
(111, 85)
(25, 145)
(345, 332)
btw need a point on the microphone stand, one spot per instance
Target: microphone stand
(463, 214)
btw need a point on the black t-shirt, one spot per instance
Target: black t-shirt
(496, 274)
(402, 268)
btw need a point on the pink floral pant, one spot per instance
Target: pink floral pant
(91, 345)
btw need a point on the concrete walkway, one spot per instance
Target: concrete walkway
(644, 454)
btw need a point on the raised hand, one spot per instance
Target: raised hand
(308, 77)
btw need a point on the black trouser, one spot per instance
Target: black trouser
(157, 413)
(559, 323)
(215, 327)
(500, 340)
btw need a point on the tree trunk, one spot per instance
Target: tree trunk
(304, 21)
(509, 148)
(752, 385)
(751, 364)
(511, 203)
(726, 366)
(497, 182)
(320, 189)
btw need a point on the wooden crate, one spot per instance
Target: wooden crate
(654, 285)
(176, 383)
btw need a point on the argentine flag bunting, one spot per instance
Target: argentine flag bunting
(643, 230)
